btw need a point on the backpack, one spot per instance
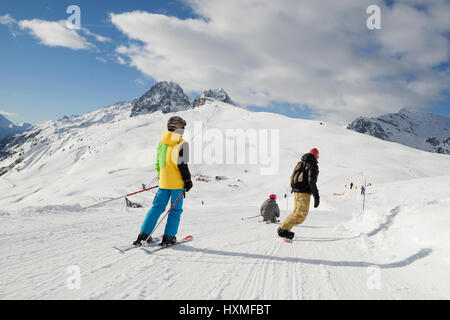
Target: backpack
(298, 176)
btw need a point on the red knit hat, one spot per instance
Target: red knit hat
(273, 196)
(314, 152)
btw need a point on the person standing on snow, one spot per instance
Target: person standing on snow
(174, 179)
(303, 184)
(270, 210)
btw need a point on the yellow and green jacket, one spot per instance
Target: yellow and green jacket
(171, 161)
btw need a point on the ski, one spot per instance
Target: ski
(132, 246)
(155, 249)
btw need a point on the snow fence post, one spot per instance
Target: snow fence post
(364, 193)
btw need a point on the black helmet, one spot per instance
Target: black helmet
(175, 123)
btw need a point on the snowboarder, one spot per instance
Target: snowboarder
(270, 210)
(174, 179)
(303, 184)
(351, 185)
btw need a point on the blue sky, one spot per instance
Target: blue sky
(39, 82)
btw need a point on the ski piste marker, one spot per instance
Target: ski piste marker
(132, 246)
(154, 249)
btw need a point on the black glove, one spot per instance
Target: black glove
(187, 185)
(316, 202)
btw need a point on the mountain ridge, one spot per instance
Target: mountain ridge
(8, 128)
(169, 96)
(417, 129)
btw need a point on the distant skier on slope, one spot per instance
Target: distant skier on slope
(174, 179)
(270, 210)
(303, 184)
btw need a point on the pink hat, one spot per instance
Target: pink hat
(273, 196)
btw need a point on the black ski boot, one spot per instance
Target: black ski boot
(168, 241)
(141, 238)
(285, 234)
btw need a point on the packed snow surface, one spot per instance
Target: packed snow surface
(397, 248)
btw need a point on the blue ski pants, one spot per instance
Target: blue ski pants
(159, 205)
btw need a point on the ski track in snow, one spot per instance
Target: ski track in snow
(316, 265)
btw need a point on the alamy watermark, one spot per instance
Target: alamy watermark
(73, 22)
(73, 281)
(374, 20)
(234, 147)
(374, 280)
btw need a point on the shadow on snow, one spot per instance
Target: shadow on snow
(421, 254)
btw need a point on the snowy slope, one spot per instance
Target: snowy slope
(421, 130)
(400, 240)
(7, 128)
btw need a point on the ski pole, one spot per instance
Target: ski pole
(168, 211)
(127, 195)
(251, 217)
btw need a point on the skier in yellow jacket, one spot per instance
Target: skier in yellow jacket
(174, 179)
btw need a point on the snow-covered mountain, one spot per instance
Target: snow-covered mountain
(416, 129)
(7, 128)
(163, 96)
(48, 132)
(213, 95)
(400, 242)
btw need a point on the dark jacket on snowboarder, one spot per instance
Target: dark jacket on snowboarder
(310, 177)
(270, 210)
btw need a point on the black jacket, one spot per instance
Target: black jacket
(311, 173)
(183, 160)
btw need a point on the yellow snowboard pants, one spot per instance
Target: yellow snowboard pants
(301, 209)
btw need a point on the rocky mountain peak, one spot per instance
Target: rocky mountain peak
(163, 96)
(213, 95)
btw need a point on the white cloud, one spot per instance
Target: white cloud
(7, 114)
(101, 59)
(7, 19)
(318, 53)
(10, 22)
(141, 82)
(97, 37)
(121, 60)
(55, 34)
